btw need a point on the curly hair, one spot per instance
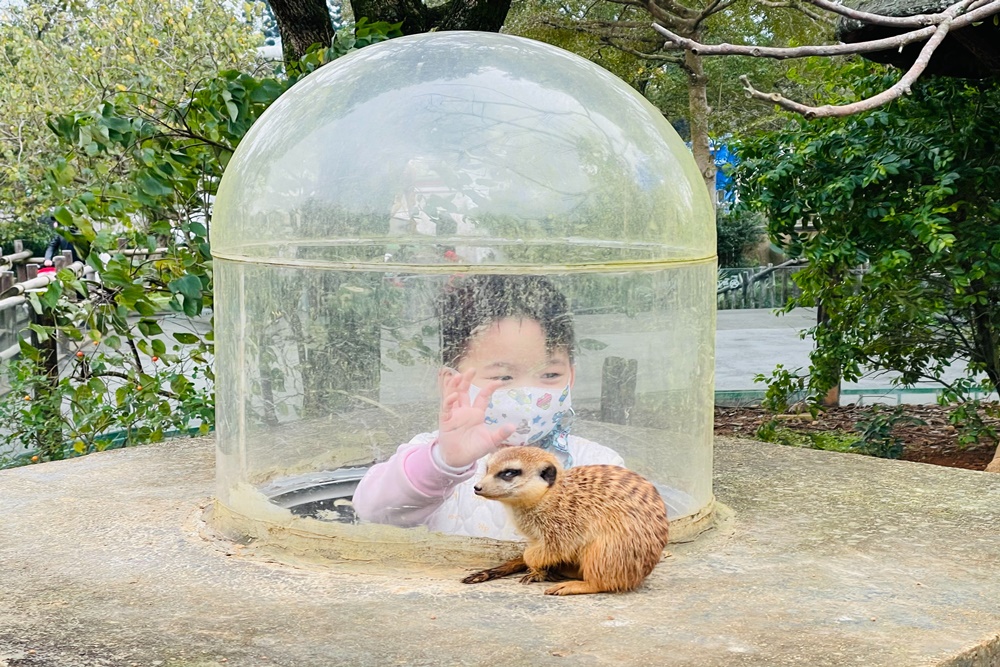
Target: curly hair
(471, 303)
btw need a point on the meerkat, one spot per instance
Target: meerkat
(603, 526)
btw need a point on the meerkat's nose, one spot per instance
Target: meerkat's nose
(477, 488)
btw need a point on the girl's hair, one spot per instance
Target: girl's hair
(471, 303)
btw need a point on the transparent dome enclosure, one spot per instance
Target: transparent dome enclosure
(382, 186)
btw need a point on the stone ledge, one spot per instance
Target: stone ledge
(828, 559)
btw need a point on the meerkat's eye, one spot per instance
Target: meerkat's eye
(508, 474)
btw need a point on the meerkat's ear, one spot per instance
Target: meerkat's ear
(549, 474)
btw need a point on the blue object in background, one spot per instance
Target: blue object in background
(725, 160)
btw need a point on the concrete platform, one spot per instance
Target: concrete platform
(827, 559)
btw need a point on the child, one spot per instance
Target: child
(507, 346)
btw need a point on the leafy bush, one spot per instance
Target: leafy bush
(147, 169)
(877, 438)
(34, 233)
(908, 191)
(833, 441)
(737, 234)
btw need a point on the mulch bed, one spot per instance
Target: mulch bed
(934, 442)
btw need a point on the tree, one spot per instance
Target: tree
(760, 27)
(59, 56)
(144, 167)
(627, 26)
(930, 29)
(908, 192)
(304, 23)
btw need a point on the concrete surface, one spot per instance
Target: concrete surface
(827, 559)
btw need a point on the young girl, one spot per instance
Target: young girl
(507, 347)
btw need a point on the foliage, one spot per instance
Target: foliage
(833, 441)
(33, 232)
(147, 169)
(876, 434)
(876, 430)
(346, 40)
(783, 387)
(968, 417)
(59, 56)
(908, 192)
(736, 235)
(594, 30)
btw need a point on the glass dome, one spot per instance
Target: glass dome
(446, 202)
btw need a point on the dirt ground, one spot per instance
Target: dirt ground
(935, 441)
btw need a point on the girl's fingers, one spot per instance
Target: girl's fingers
(447, 405)
(486, 394)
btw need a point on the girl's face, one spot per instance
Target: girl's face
(513, 351)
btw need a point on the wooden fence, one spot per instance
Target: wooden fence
(761, 287)
(19, 275)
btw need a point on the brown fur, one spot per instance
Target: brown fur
(603, 524)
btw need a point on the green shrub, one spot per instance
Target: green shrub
(34, 233)
(736, 236)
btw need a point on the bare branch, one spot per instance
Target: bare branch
(888, 43)
(656, 57)
(624, 29)
(780, 53)
(714, 7)
(914, 21)
(900, 88)
(675, 8)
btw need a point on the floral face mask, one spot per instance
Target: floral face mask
(535, 412)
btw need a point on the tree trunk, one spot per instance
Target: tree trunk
(984, 323)
(417, 17)
(699, 110)
(301, 24)
(832, 397)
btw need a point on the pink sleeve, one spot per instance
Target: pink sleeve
(408, 487)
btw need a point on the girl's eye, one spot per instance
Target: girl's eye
(551, 376)
(502, 378)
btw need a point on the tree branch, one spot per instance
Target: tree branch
(896, 91)
(949, 19)
(116, 374)
(658, 57)
(782, 53)
(914, 21)
(757, 277)
(888, 43)
(713, 7)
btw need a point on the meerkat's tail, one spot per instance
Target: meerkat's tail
(512, 566)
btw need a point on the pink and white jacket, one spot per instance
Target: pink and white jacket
(415, 488)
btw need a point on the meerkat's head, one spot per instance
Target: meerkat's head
(519, 476)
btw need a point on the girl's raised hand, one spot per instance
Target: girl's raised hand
(463, 436)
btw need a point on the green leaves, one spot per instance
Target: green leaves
(142, 163)
(188, 294)
(905, 208)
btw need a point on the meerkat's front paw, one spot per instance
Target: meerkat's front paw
(573, 588)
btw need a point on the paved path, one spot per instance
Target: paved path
(749, 342)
